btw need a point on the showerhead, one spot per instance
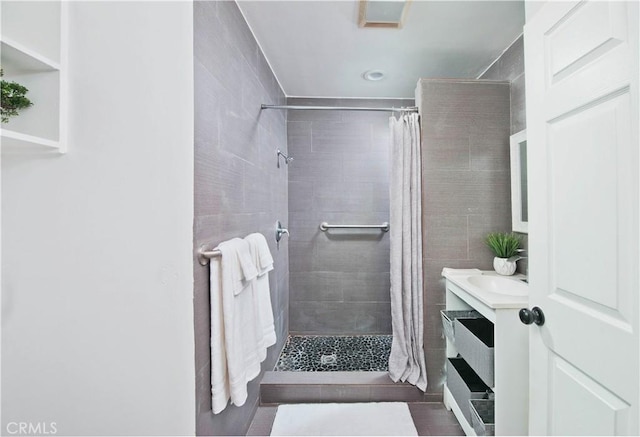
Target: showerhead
(287, 159)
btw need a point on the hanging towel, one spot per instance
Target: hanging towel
(219, 376)
(260, 252)
(261, 255)
(247, 271)
(236, 340)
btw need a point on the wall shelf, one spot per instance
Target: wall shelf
(18, 59)
(16, 141)
(34, 54)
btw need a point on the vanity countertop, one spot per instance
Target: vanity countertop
(492, 299)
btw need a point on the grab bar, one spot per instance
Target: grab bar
(384, 227)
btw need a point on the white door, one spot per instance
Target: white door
(582, 122)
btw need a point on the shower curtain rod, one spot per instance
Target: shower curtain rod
(341, 108)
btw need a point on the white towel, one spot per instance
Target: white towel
(260, 252)
(450, 271)
(247, 271)
(236, 340)
(219, 376)
(261, 255)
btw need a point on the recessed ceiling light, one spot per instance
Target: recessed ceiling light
(373, 75)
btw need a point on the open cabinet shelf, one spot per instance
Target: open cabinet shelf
(511, 368)
(33, 54)
(18, 59)
(16, 141)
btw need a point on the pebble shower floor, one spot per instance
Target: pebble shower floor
(319, 353)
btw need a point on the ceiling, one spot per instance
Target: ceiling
(316, 48)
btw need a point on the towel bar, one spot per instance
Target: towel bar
(384, 227)
(205, 255)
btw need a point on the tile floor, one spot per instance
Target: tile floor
(319, 353)
(430, 419)
(370, 353)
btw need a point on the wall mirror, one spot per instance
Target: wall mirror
(519, 198)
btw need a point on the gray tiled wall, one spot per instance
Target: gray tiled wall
(339, 279)
(238, 189)
(510, 66)
(466, 189)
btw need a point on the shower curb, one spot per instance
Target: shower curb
(316, 387)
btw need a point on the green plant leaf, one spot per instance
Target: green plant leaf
(503, 244)
(13, 99)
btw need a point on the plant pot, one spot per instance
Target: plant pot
(503, 266)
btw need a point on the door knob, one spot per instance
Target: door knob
(534, 315)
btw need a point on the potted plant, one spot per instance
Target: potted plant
(504, 246)
(13, 99)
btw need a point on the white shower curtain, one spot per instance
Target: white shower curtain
(407, 360)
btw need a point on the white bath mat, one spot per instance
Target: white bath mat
(372, 418)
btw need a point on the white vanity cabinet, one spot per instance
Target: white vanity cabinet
(511, 353)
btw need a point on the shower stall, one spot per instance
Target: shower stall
(339, 309)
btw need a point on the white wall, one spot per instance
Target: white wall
(531, 7)
(97, 312)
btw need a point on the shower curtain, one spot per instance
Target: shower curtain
(407, 360)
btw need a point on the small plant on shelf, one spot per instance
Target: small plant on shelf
(13, 99)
